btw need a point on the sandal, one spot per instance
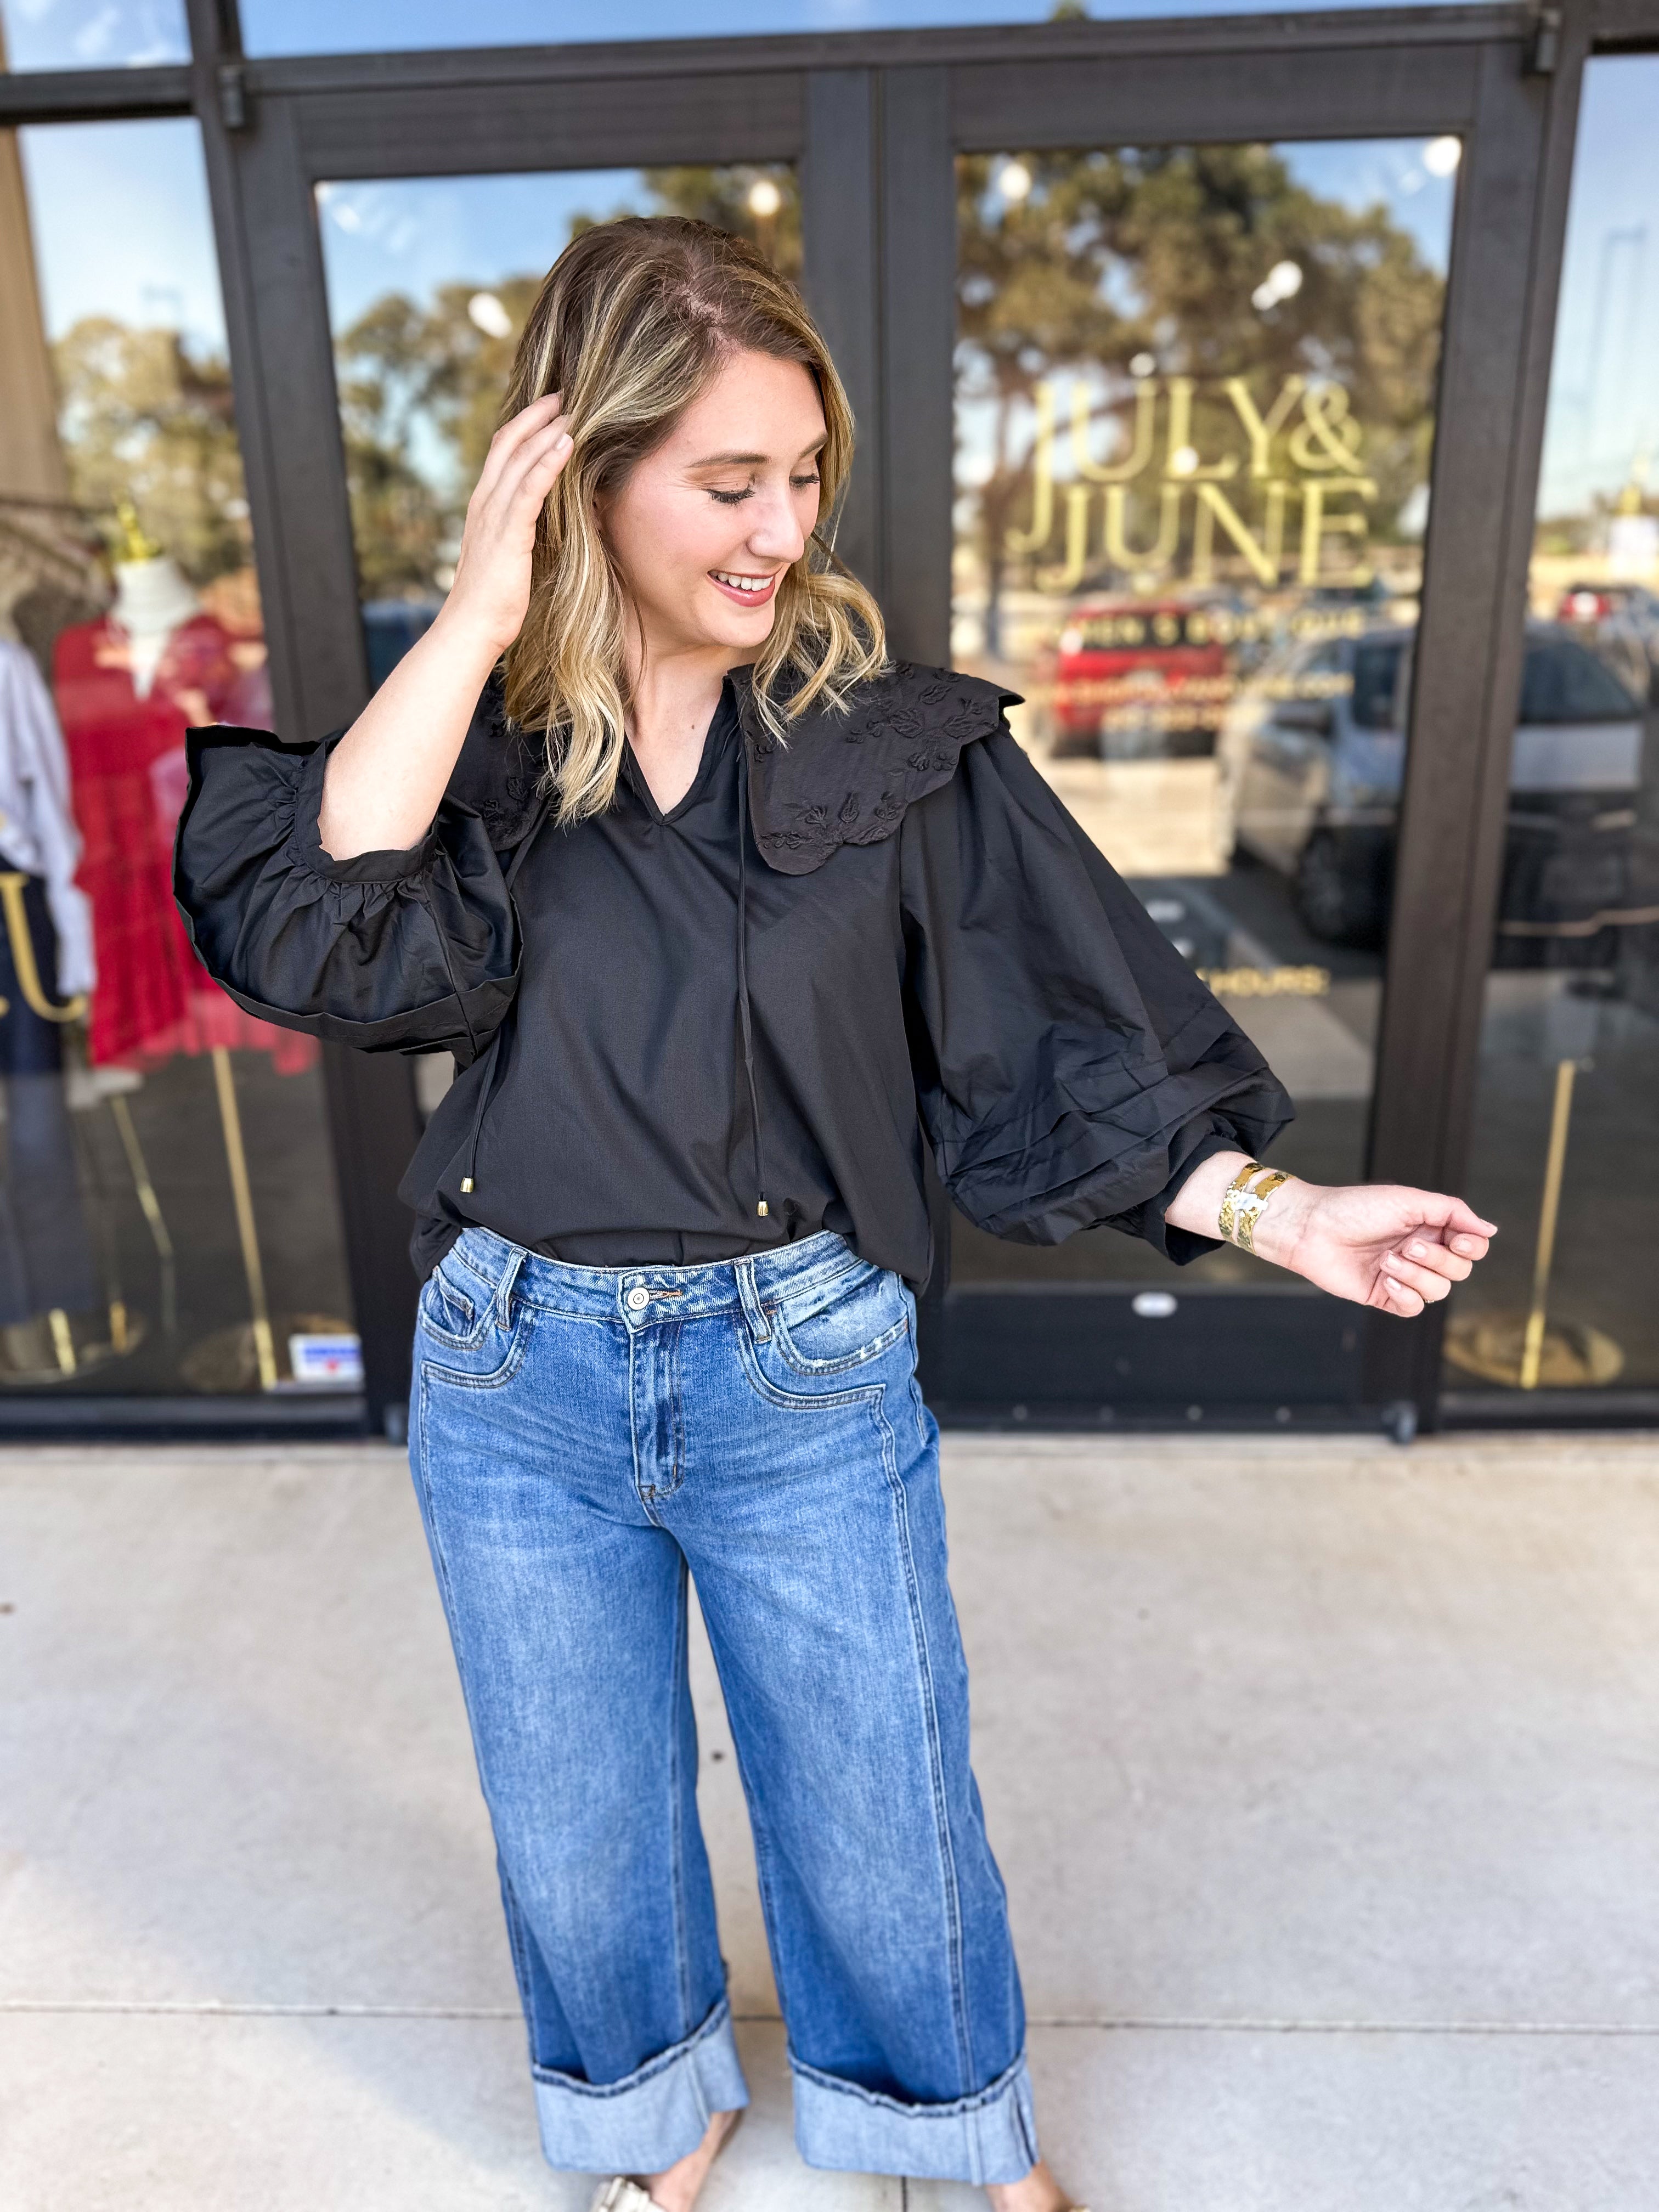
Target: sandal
(619, 2194)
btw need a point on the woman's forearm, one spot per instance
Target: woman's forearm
(1382, 1244)
(388, 772)
(1197, 1204)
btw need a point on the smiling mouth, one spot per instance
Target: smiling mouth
(742, 587)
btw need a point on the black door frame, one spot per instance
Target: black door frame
(1484, 75)
(874, 121)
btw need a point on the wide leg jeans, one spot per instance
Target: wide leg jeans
(582, 1438)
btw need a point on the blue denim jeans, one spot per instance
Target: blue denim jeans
(582, 1438)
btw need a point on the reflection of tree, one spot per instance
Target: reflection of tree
(1111, 254)
(409, 374)
(420, 385)
(144, 419)
(721, 196)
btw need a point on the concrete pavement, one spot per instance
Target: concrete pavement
(1325, 1776)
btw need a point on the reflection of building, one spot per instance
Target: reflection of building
(1238, 507)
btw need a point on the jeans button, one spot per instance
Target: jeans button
(637, 1299)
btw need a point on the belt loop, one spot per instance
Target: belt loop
(754, 1313)
(504, 1288)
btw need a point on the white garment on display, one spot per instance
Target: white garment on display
(153, 598)
(37, 828)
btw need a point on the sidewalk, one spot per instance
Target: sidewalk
(1324, 1775)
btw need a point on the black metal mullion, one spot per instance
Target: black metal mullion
(1264, 39)
(841, 256)
(276, 319)
(918, 311)
(1499, 330)
(105, 95)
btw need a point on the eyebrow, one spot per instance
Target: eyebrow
(754, 461)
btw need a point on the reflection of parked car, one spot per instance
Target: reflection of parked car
(1621, 621)
(1312, 756)
(1140, 677)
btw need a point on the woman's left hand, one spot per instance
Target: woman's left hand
(1378, 1243)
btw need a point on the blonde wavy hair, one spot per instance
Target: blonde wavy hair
(632, 323)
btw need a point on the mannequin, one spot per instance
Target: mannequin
(129, 686)
(152, 600)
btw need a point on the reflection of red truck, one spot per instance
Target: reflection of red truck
(1134, 677)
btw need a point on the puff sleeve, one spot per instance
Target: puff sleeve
(1071, 1068)
(408, 951)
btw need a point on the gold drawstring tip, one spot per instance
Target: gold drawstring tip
(762, 1209)
(466, 1184)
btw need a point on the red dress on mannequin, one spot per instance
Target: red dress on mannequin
(154, 998)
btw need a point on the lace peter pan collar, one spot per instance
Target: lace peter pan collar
(840, 779)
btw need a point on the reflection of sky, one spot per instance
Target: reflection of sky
(1604, 413)
(92, 34)
(412, 234)
(88, 34)
(296, 27)
(1388, 173)
(119, 216)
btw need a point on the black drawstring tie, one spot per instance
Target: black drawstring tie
(762, 1209)
(491, 1058)
(493, 1051)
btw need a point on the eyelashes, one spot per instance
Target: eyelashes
(736, 498)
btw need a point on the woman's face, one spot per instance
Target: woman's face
(707, 523)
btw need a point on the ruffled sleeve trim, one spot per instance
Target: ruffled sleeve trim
(387, 951)
(305, 844)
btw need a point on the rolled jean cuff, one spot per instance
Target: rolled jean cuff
(990, 2137)
(651, 2117)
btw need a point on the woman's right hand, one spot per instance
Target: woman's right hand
(490, 594)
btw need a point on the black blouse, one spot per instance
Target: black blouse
(687, 1036)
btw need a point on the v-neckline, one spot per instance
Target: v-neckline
(705, 763)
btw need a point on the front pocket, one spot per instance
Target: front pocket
(840, 1323)
(494, 1358)
(449, 1315)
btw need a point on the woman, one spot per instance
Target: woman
(719, 912)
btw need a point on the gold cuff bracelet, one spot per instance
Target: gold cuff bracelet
(1241, 1205)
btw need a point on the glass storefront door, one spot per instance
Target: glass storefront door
(1567, 1311)
(1195, 397)
(1198, 386)
(429, 281)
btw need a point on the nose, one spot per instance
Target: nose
(776, 534)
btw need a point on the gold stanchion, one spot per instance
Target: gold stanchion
(150, 1205)
(1524, 1349)
(62, 1341)
(265, 1346)
(1555, 1161)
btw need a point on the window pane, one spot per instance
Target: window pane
(1566, 1115)
(317, 26)
(429, 280)
(1194, 411)
(62, 34)
(168, 1211)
